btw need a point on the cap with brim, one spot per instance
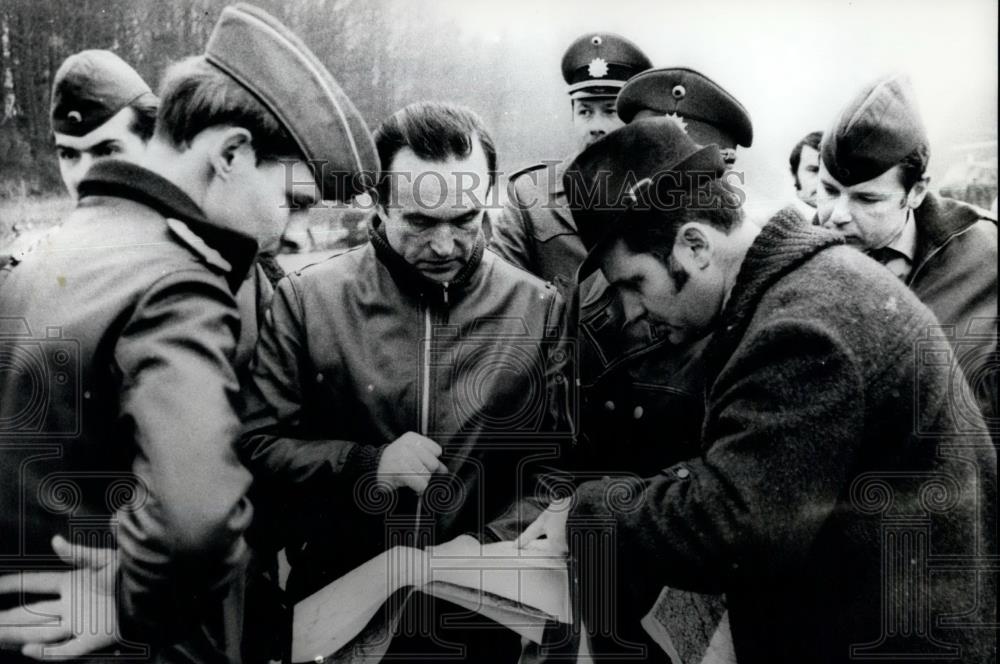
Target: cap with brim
(267, 59)
(709, 112)
(91, 87)
(878, 129)
(639, 168)
(598, 64)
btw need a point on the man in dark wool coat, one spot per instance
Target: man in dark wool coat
(835, 499)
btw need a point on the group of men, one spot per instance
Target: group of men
(624, 368)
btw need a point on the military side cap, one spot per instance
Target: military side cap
(267, 59)
(642, 167)
(705, 109)
(89, 88)
(874, 132)
(598, 65)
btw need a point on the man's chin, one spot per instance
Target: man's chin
(442, 275)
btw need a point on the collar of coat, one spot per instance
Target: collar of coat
(122, 179)
(939, 219)
(786, 242)
(409, 279)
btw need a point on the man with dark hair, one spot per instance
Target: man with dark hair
(535, 230)
(808, 502)
(118, 395)
(804, 164)
(101, 108)
(874, 192)
(416, 366)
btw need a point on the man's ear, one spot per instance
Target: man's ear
(695, 244)
(917, 193)
(230, 146)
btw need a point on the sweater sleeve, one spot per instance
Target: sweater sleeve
(784, 421)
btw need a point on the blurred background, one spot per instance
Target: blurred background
(793, 64)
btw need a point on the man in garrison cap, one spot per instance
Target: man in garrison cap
(118, 394)
(536, 231)
(874, 192)
(814, 462)
(101, 108)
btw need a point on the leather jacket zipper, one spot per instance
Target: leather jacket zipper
(425, 392)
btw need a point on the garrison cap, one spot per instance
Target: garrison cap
(598, 64)
(267, 59)
(874, 132)
(707, 111)
(640, 167)
(89, 88)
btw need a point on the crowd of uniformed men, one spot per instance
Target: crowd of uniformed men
(793, 413)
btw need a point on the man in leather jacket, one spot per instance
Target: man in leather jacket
(413, 388)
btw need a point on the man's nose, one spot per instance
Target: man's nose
(443, 241)
(840, 214)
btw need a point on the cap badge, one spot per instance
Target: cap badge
(678, 92)
(74, 116)
(596, 40)
(598, 68)
(677, 120)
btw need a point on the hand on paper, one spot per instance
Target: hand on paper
(549, 530)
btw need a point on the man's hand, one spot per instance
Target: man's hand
(410, 460)
(549, 530)
(84, 618)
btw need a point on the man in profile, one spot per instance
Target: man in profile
(118, 395)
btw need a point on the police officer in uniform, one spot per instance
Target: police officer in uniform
(118, 395)
(536, 231)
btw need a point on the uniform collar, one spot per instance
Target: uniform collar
(411, 280)
(122, 179)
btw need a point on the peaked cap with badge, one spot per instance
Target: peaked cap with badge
(273, 64)
(89, 88)
(708, 112)
(598, 64)
(874, 132)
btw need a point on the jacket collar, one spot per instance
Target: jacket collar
(786, 242)
(409, 279)
(940, 219)
(123, 179)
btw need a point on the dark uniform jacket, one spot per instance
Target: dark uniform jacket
(118, 424)
(955, 274)
(836, 499)
(361, 348)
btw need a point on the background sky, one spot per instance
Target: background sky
(792, 63)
